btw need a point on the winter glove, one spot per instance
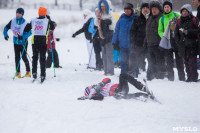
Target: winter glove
(58, 39)
(6, 38)
(19, 37)
(116, 47)
(91, 41)
(74, 35)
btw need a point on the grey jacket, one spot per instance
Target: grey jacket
(152, 36)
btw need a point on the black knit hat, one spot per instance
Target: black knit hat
(128, 6)
(144, 5)
(167, 3)
(20, 11)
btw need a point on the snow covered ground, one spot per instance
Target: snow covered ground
(53, 107)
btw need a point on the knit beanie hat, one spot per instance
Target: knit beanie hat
(167, 3)
(128, 6)
(20, 11)
(144, 5)
(42, 11)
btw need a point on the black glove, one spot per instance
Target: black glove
(58, 39)
(91, 41)
(19, 37)
(6, 38)
(74, 35)
(116, 47)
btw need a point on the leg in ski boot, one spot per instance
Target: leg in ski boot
(28, 74)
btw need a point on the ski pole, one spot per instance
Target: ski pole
(28, 55)
(20, 59)
(52, 53)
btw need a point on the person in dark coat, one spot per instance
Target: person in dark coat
(137, 36)
(186, 34)
(51, 46)
(88, 16)
(155, 57)
(121, 37)
(196, 3)
(40, 26)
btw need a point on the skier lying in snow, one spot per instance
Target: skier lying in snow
(107, 88)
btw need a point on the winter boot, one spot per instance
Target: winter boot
(42, 79)
(28, 74)
(34, 75)
(18, 75)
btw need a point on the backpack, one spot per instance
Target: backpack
(193, 20)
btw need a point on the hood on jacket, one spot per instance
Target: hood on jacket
(106, 3)
(188, 7)
(88, 13)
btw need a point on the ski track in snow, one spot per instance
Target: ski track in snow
(53, 107)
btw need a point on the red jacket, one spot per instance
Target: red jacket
(52, 40)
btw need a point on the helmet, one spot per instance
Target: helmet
(112, 89)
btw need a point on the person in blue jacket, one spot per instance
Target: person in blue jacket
(20, 37)
(121, 37)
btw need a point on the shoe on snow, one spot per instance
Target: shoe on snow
(42, 79)
(18, 75)
(28, 74)
(34, 75)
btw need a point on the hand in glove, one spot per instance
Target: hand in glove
(19, 37)
(74, 35)
(58, 39)
(6, 38)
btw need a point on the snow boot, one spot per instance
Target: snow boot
(18, 75)
(42, 79)
(28, 74)
(34, 75)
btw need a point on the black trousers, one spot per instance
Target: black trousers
(49, 58)
(97, 50)
(39, 50)
(156, 63)
(18, 51)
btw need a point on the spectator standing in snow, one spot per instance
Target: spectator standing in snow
(40, 27)
(52, 42)
(96, 41)
(87, 14)
(137, 35)
(154, 56)
(106, 24)
(20, 37)
(186, 34)
(168, 53)
(121, 37)
(196, 3)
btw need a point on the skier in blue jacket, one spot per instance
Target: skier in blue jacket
(20, 37)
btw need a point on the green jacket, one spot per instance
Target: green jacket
(164, 20)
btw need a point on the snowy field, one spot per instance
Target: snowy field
(52, 107)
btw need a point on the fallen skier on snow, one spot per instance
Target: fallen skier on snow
(120, 91)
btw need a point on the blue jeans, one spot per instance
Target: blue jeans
(124, 58)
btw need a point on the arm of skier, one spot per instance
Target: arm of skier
(5, 31)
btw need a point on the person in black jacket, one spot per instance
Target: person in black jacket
(40, 26)
(196, 3)
(155, 58)
(137, 35)
(91, 54)
(186, 34)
